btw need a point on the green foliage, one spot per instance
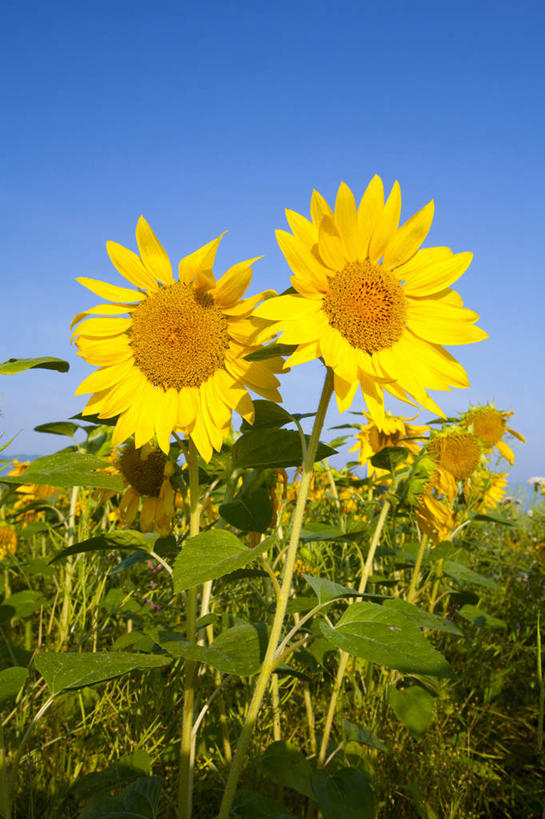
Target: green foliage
(286, 765)
(68, 468)
(18, 365)
(274, 448)
(11, 682)
(68, 671)
(413, 707)
(344, 795)
(210, 555)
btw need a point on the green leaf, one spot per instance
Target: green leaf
(345, 795)
(122, 539)
(390, 457)
(11, 682)
(386, 637)
(413, 707)
(273, 447)
(268, 414)
(494, 519)
(252, 805)
(67, 468)
(316, 531)
(125, 770)
(287, 766)
(59, 428)
(462, 574)
(357, 733)
(250, 512)
(270, 351)
(239, 650)
(63, 671)
(21, 605)
(326, 590)
(18, 365)
(210, 555)
(422, 618)
(480, 618)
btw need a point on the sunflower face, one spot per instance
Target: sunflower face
(143, 469)
(177, 363)
(488, 424)
(372, 304)
(457, 451)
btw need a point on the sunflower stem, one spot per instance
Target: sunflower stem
(185, 796)
(343, 661)
(276, 629)
(411, 594)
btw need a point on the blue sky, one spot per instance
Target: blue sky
(220, 115)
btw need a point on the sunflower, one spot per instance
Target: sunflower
(435, 517)
(393, 431)
(487, 489)
(490, 425)
(369, 302)
(147, 471)
(177, 362)
(8, 541)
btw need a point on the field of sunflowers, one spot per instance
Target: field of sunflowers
(207, 615)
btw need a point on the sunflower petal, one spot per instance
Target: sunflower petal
(200, 260)
(130, 266)
(153, 254)
(409, 237)
(437, 276)
(234, 283)
(369, 211)
(330, 245)
(105, 378)
(111, 292)
(386, 225)
(346, 219)
(319, 208)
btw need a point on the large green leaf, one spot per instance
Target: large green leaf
(390, 457)
(480, 618)
(273, 447)
(21, 605)
(210, 555)
(239, 650)
(63, 671)
(11, 682)
(345, 795)
(140, 801)
(67, 468)
(326, 590)
(18, 365)
(357, 733)
(123, 539)
(252, 805)
(422, 618)
(287, 766)
(463, 575)
(67, 428)
(250, 512)
(386, 637)
(413, 707)
(268, 414)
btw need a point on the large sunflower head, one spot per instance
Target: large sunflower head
(176, 361)
(456, 450)
(368, 301)
(490, 425)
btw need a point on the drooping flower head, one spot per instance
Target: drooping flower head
(177, 362)
(457, 450)
(490, 425)
(8, 541)
(369, 302)
(147, 471)
(392, 431)
(487, 489)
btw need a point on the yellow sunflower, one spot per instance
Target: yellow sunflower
(369, 302)
(435, 517)
(177, 362)
(8, 541)
(490, 425)
(147, 471)
(487, 489)
(392, 431)
(457, 453)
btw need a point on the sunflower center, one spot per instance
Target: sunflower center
(367, 305)
(458, 452)
(178, 336)
(143, 469)
(489, 425)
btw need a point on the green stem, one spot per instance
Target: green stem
(278, 622)
(541, 689)
(185, 795)
(411, 594)
(343, 662)
(435, 589)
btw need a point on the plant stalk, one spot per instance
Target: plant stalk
(278, 622)
(185, 795)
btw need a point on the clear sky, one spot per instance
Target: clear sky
(221, 114)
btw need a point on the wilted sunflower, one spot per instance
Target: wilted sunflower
(435, 517)
(368, 301)
(490, 425)
(392, 431)
(177, 362)
(457, 453)
(487, 489)
(148, 472)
